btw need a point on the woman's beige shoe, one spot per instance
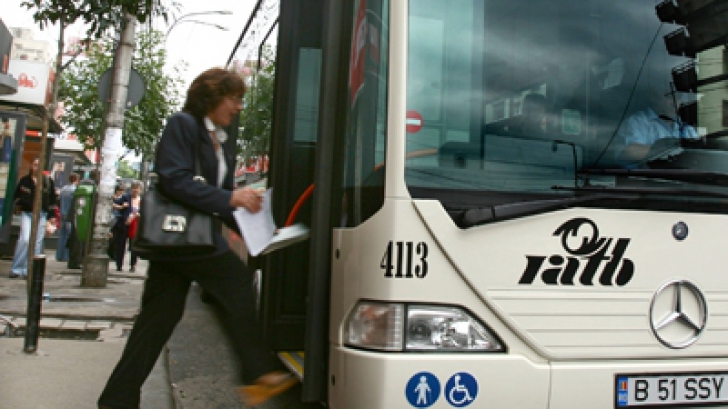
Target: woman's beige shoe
(266, 387)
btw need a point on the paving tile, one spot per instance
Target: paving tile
(98, 325)
(101, 309)
(112, 334)
(49, 323)
(19, 322)
(73, 325)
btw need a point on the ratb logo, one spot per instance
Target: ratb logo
(592, 259)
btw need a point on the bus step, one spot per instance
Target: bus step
(294, 361)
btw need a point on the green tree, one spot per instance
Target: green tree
(126, 171)
(100, 16)
(85, 111)
(256, 118)
(144, 124)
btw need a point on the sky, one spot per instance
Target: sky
(191, 39)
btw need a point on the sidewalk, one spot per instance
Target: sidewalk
(83, 331)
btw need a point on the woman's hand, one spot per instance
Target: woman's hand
(50, 227)
(130, 219)
(248, 198)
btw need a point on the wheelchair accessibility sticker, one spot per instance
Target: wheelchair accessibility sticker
(461, 389)
(423, 390)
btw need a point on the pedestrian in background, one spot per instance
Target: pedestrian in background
(119, 229)
(132, 221)
(24, 202)
(66, 204)
(213, 100)
(7, 143)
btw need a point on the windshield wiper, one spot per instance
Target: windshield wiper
(683, 175)
(476, 216)
(641, 191)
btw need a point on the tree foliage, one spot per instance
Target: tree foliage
(125, 171)
(256, 118)
(85, 111)
(144, 124)
(100, 16)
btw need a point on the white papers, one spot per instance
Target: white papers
(286, 236)
(260, 232)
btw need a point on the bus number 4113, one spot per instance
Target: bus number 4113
(405, 259)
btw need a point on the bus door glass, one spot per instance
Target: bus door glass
(363, 159)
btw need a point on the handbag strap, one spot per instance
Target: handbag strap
(198, 173)
(198, 169)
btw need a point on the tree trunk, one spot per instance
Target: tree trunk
(47, 117)
(96, 266)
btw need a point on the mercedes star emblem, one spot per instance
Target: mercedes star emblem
(678, 314)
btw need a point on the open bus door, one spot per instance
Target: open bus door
(310, 88)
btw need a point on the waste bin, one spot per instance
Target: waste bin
(83, 201)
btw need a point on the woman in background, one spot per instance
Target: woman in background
(133, 220)
(119, 229)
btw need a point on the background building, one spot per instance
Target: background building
(8, 84)
(26, 47)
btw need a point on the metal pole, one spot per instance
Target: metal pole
(199, 13)
(35, 297)
(245, 31)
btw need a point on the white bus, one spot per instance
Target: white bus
(512, 203)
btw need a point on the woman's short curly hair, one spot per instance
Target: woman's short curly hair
(210, 88)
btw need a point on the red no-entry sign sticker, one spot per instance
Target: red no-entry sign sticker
(414, 121)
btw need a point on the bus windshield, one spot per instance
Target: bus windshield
(516, 101)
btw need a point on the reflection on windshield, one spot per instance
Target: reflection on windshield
(520, 95)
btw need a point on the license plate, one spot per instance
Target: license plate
(672, 389)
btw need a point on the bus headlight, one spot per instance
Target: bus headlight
(376, 326)
(442, 328)
(424, 328)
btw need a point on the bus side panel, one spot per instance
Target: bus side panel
(368, 380)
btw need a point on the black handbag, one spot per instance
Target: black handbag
(167, 227)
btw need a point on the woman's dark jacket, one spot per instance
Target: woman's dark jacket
(25, 195)
(182, 138)
(122, 214)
